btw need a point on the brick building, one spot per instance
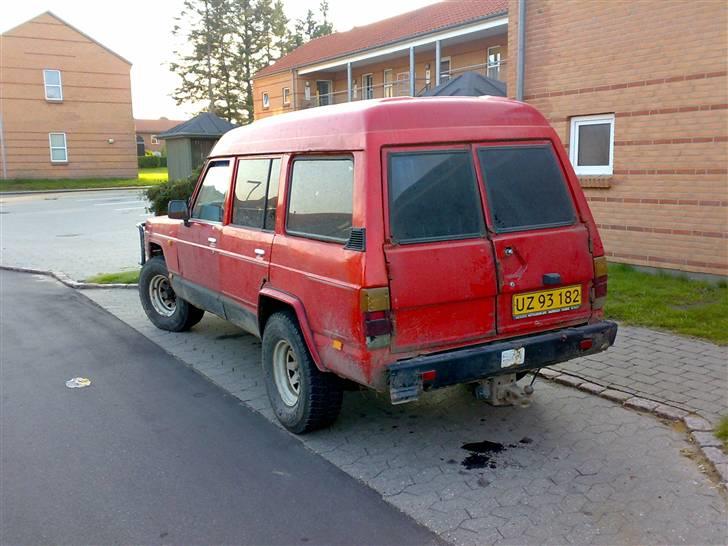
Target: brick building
(637, 91)
(147, 131)
(65, 104)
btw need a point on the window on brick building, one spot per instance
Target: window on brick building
(58, 146)
(591, 147)
(266, 100)
(53, 86)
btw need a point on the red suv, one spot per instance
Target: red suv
(403, 244)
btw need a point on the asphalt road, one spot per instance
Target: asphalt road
(78, 233)
(151, 452)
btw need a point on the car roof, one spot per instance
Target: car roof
(347, 126)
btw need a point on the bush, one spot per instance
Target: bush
(148, 162)
(162, 161)
(159, 196)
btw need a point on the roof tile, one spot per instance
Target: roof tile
(407, 25)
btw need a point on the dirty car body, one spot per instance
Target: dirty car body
(416, 243)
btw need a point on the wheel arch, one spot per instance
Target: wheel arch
(271, 300)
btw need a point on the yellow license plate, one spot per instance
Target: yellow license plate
(545, 302)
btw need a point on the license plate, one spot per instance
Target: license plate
(545, 302)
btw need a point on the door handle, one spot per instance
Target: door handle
(212, 240)
(259, 252)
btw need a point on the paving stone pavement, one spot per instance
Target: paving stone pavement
(575, 468)
(680, 371)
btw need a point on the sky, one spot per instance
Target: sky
(140, 31)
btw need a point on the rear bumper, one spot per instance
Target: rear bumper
(406, 379)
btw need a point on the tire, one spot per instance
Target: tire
(160, 303)
(304, 398)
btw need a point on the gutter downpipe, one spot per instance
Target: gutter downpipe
(348, 82)
(412, 71)
(520, 61)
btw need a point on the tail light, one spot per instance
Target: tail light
(375, 307)
(600, 282)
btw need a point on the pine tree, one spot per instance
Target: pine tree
(227, 42)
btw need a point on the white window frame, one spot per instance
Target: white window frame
(153, 139)
(64, 147)
(307, 91)
(591, 170)
(46, 85)
(266, 100)
(286, 96)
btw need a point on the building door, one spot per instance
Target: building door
(403, 84)
(388, 91)
(444, 69)
(140, 145)
(494, 62)
(323, 91)
(367, 86)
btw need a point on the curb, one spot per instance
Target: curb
(699, 430)
(71, 190)
(68, 281)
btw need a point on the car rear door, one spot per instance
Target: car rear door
(542, 248)
(440, 262)
(246, 242)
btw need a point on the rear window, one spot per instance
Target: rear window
(320, 205)
(433, 196)
(526, 188)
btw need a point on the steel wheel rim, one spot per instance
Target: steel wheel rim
(162, 296)
(286, 373)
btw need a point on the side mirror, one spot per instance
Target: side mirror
(177, 210)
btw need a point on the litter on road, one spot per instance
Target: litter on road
(78, 383)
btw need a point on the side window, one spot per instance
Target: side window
(210, 200)
(433, 196)
(272, 201)
(53, 86)
(592, 145)
(321, 195)
(526, 188)
(256, 193)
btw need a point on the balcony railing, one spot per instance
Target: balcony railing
(399, 87)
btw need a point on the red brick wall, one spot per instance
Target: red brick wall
(95, 113)
(660, 67)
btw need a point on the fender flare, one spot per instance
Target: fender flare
(298, 309)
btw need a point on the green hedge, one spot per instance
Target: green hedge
(151, 162)
(159, 196)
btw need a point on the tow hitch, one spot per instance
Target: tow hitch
(503, 390)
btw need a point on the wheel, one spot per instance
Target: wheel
(303, 398)
(160, 303)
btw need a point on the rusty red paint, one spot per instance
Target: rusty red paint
(443, 295)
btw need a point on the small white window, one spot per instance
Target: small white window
(53, 86)
(59, 150)
(286, 95)
(592, 144)
(307, 91)
(153, 139)
(266, 100)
